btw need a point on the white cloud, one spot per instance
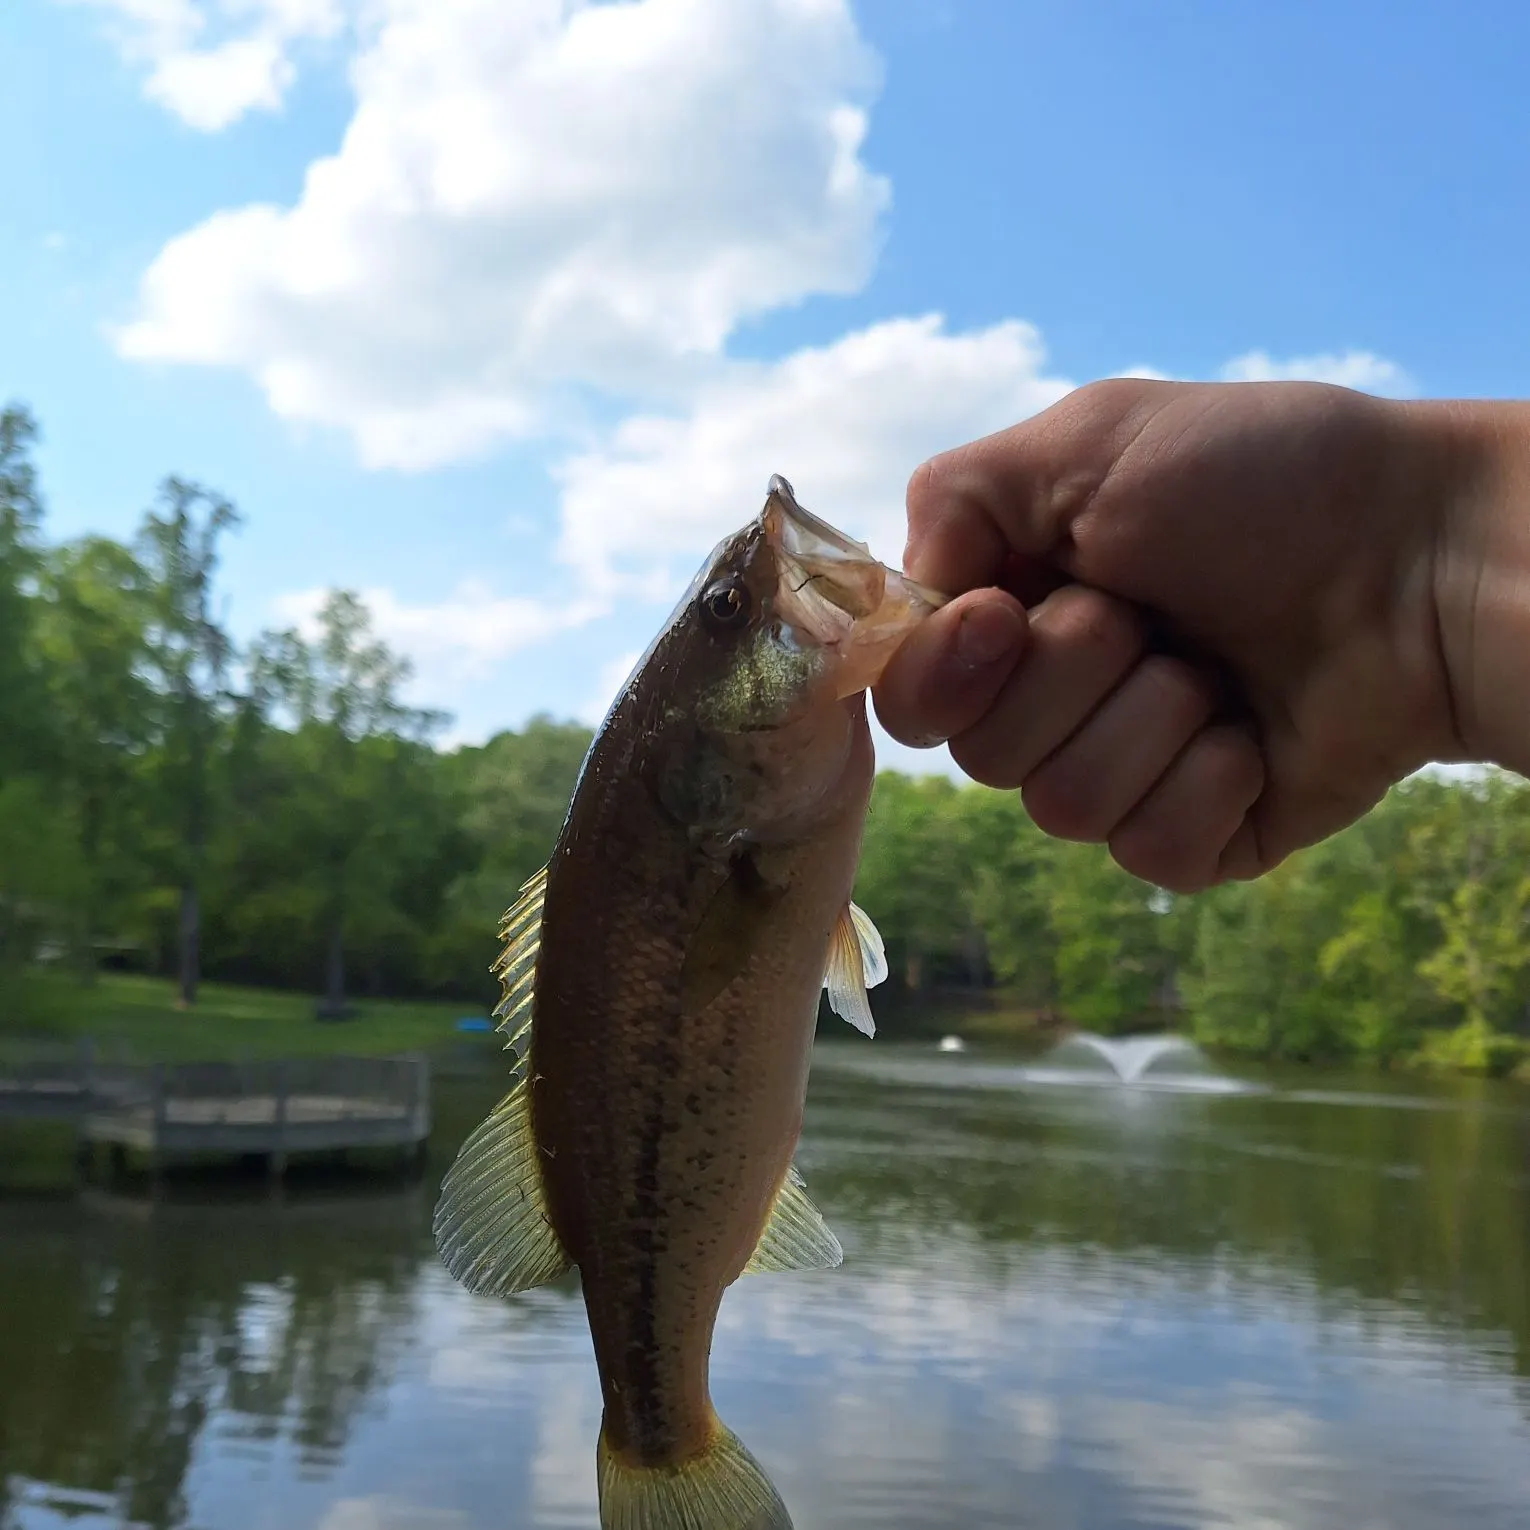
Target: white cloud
(454, 644)
(846, 423)
(529, 200)
(1364, 370)
(613, 675)
(211, 63)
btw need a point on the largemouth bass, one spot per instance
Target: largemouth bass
(661, 980)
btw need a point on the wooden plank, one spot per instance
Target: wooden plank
(276, 1109)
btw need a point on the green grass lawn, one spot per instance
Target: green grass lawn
(137, 1015)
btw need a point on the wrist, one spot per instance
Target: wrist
(1478, 477)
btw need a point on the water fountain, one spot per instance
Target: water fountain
(1134, 1067)
(1149, 1062)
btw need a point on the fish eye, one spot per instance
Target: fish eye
(727, 605)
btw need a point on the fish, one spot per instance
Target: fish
(661, 979)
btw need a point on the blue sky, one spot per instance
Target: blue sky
(502, 312)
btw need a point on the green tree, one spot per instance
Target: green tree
(354, 753)
(91, 625)
(512, 794)
(1113, 939)
(1478, 892)
(1325, 957)
(36, 873)
(187, 656)
(22, 736)
(915, 879)
(1009, 862)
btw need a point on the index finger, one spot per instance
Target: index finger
(1007, 501)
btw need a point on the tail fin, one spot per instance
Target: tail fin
(724, 1489)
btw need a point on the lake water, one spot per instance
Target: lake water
(1060, 1308)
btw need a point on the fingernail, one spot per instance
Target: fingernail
(987, 633)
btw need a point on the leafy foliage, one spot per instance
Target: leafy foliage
(281, 816)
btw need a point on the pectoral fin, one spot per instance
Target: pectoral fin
(857, 961)
(796, 1237)
(491, 1223)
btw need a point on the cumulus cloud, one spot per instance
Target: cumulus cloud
(640, 507)
(453, 644)
(1363, 370)
(612, 676)
(531, 200)
(846, 423)
(213, 62)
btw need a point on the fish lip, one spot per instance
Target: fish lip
(830, 580)
(799, 533)
(846, 575)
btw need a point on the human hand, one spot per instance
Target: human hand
(1247, 602)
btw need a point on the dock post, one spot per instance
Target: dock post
(278, 1160)
(84, 1147)
(419, 1094)
(161, 1115)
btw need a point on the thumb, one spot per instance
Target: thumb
(1014, 495)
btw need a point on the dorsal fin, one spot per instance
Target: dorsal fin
(491, 1223)
(796, 1237)
(521, 931)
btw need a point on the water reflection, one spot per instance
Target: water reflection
(1059, 1308)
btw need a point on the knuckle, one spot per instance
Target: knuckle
(1091, 623)
(1111, 395)
(1232, 763)
(1180, 693)
(1156, 855)
(1068, 492)
(939, 483)
(924, 489)
(988, 762)
(1064, 804)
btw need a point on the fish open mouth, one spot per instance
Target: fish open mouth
(832, 588)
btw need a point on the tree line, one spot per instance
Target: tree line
(1403, 940)
(276, 813)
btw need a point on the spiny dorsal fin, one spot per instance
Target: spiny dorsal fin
(857, 961)
(796, 1237)
(491, 1223)
(521, 931)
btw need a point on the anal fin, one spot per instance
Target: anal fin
(796, 1237)
(491, 1223)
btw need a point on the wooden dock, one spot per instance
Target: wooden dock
(269, 1108)
(42, 1081)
